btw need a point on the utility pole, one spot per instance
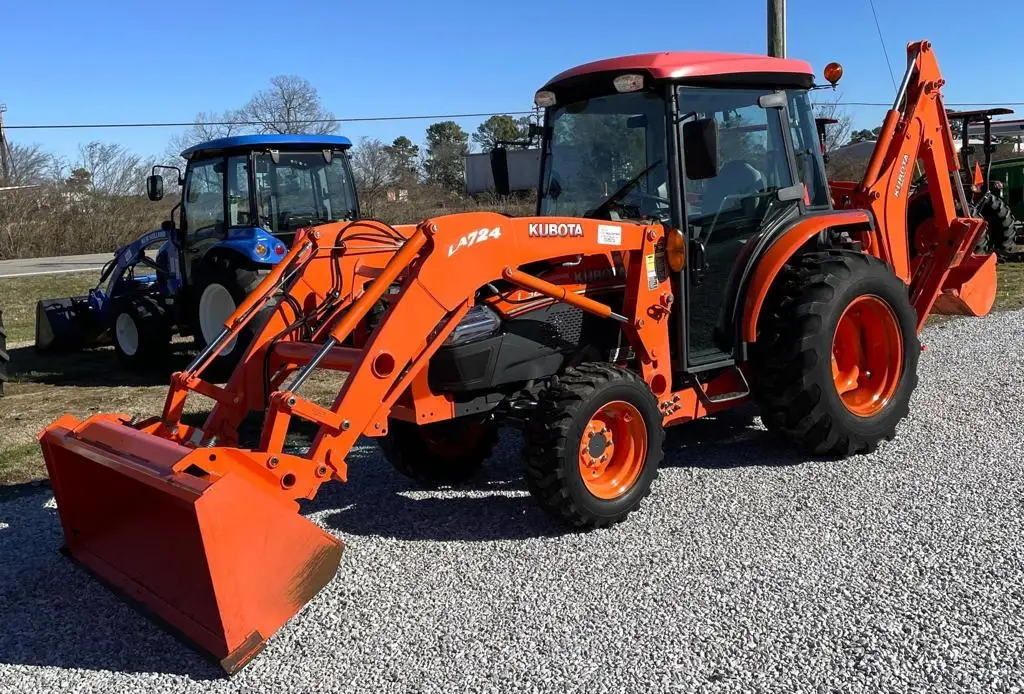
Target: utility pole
(777, 28)
(5, 172)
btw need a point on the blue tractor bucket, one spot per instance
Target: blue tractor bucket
(67, 324)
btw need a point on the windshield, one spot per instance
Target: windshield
(606, 159)
(303, 189)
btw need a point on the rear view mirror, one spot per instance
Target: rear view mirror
(637, 121)
(155, 187)
(700, 148)
(499, 170)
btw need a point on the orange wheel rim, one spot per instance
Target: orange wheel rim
(613, 450)
(867, 355)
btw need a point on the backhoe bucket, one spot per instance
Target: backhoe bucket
(970, 287)
(66, 324)
(220, 557)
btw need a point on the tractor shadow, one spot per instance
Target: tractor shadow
(90, 368)
(495, 505)
(727, 440)
(57, 615)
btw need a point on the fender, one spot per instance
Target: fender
(779, 253)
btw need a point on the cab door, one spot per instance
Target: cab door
(726, 204)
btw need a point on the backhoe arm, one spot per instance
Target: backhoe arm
(917, 128)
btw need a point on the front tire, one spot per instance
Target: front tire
(593, 445)
(141, 333)
(442, 453)
(222, 283)
(836, 358)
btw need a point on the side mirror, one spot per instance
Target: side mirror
(167, 225)
(700, 148)
(499, 170)
(155, 187)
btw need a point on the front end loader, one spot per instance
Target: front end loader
(686, 257)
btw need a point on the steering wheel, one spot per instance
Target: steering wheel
(640, 205)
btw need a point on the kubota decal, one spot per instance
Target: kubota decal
(902, 176)
(549, 229)
(478, 236)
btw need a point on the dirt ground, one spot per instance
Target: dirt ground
(44, 387)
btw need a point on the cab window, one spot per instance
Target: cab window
(238, 191)
(807, 149)
(204, 197)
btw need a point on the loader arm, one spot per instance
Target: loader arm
(447, 263)
(916, 129)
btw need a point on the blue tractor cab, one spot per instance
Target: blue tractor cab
(243, 199)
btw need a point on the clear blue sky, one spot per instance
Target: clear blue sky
(122, 61)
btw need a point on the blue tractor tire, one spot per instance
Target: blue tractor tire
(141, 332)
(222, 281)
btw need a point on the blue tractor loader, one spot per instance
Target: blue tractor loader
(243, 199)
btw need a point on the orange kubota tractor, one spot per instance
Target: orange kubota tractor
(687, 255)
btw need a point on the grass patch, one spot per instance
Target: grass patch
(18, 297)
(1010, 292)
(22, 462)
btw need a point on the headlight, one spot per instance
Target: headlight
(478, 323)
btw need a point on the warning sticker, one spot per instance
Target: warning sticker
(652, 272)
(609, 235)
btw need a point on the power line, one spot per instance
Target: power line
(882, 41)
(70, 126)
(83, 126)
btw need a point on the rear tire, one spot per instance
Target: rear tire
(439, 454)
(1000, 237)
(815, 383)
(593, 446)
(222, 283)
(141, 333)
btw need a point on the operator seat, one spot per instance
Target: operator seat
(735, 178)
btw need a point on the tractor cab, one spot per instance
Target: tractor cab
(251, 193)
(721, 149)
(243, 200)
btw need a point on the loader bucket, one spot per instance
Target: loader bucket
(970, 287)
(66, 324)
(217, 557)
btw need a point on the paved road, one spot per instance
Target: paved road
(750, 568)
(53, 266)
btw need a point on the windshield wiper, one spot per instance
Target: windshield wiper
(621, 192)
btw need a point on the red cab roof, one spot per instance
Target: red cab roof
(690, 64)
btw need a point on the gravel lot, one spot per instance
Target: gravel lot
(749, 569)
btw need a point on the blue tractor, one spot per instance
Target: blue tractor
(243, 200)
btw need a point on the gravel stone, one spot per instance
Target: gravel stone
(750, 568)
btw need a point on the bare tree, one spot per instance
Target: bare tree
(374, 169)
(207, 126)
(113, 169)
(290, 105)
(836, 134)
(28, 165)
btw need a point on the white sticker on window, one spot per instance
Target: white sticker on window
(609, 235)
